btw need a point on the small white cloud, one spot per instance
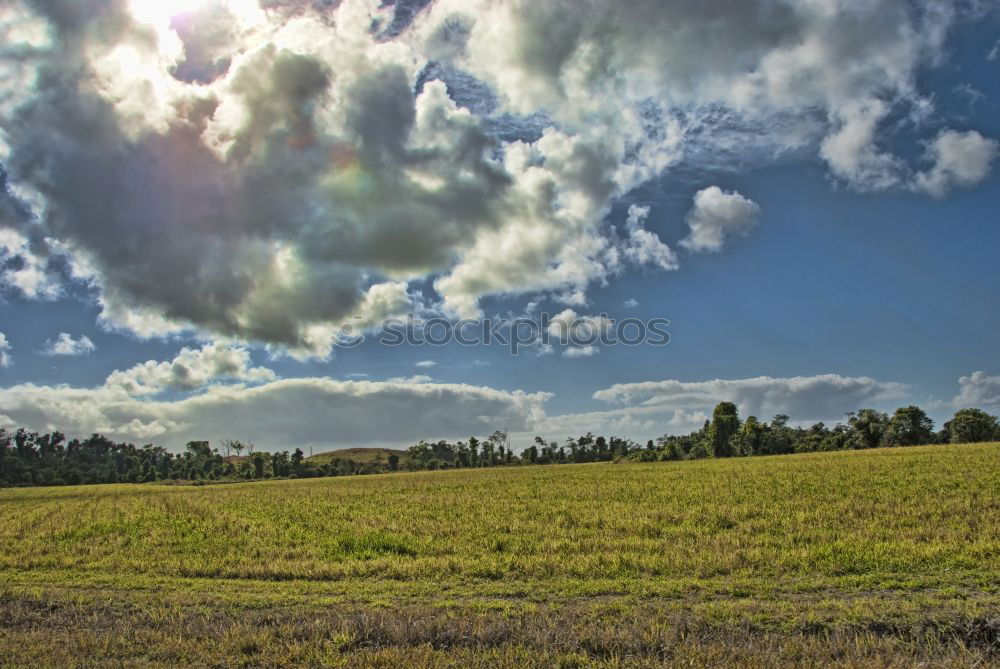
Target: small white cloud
(426, 364)
(569, 327)
(716, 215)
(994, 53)
(191, 369)
(631, 303)
(852, 149)
(5, 348)
(959, 159)
(30, 275)
(978, 390)
(642, 246)
(65, 345)
(581, 352)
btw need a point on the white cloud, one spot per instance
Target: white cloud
(569, 327)
(281, 414)
(637, 423)
(5, 348)
(978, 390)
(746, 78)
(65, 345)
(811, 398)
(642, 246)
(717, 214)
(851, 149)
(581, 352)
(959, 159)
(631, 303)
(191, 369)
(268, 175)
(578, 334)
(426, 364)
(994, 53)
(21, 268)
(416, 378)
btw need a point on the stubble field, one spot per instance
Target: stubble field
(877, 558)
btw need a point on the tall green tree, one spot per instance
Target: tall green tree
(972, 425)
(868, 426)
(909, 426)
(751, 437)
(722, 430)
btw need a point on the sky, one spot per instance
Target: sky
(209, 209)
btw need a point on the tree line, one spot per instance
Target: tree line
(725, 435)
(32, 459)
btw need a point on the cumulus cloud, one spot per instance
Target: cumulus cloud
(958, 159)
(631, 303)
(426, 364)
(978, 390)
(578, 333)
(5, 348)
(806, 398)
(716, 215)
(642, 246)
(265, 204)
(22, 269)
(280, 414)
(770, 75)
(267, 171)
(65, 345)
(191, 369)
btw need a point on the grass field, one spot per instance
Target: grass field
(878, 558)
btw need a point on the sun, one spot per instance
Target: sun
(161, 12)
(158, 12)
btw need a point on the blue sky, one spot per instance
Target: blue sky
(868, 275)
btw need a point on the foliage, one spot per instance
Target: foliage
(29, 458)
(726, 436)
(970, 425)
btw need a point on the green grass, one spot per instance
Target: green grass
(878, 558)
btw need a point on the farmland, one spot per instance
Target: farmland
(886, 557)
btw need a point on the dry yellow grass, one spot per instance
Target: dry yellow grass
(896, 551)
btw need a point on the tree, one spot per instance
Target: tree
(258, 465)
(751, 437)
(868, 427)
(909, 426)
(723, 428)
(972, 425)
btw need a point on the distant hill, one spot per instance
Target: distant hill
(359, 455)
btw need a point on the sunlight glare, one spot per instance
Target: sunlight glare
(161, 12)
